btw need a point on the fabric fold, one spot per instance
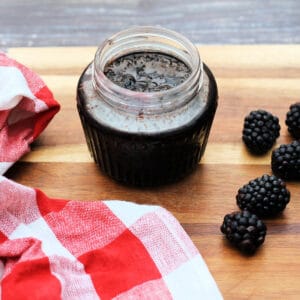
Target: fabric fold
(26, 107)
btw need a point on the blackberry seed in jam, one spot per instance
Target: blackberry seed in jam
(146, 104)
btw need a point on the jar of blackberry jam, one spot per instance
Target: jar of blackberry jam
(146, 104)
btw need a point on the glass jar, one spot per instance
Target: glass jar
(147, 138)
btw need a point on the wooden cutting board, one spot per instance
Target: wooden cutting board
(248, 77)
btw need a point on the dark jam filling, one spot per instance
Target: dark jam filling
(148, 160)
(147, 71)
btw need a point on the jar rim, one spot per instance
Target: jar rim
(147, 102)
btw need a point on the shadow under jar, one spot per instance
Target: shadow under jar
(146, 104)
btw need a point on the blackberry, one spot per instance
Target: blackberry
(244, 230)
(261, 129)
(293, 120)
(286, 161)
(265, 196)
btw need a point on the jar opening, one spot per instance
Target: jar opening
(147, 71)
(152, 40)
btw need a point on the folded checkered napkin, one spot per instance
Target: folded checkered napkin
(61, 249)
(26, 107)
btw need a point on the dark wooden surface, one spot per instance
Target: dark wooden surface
(80, 23)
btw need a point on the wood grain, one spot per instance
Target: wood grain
(87, 22)
(248, 77)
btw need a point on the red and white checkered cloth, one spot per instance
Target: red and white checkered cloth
(61, 249)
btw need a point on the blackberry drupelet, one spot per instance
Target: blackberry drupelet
(286, 161)
(293, 120)
(244, 230)
(265, 196)
(261, 129)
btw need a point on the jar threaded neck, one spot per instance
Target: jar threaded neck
(147, 39)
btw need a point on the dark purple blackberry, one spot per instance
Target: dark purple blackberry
(261, 129)
(286, 161)
(293, 120)
(265, 196)
(244, 230)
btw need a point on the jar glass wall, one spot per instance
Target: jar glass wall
(147, 138)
